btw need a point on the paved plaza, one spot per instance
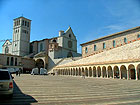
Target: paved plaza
(68, 90)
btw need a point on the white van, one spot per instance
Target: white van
(43, 71)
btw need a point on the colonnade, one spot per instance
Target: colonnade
(120, 71)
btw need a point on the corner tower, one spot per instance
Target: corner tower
(21, 36)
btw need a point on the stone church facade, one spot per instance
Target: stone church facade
(45, 53)
(116, 56)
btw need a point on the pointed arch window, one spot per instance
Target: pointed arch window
(6, 50)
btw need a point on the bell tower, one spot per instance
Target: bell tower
(21, 36)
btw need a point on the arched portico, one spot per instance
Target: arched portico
(90, 72)
(79, 71)
(132, 71)
(99, 71)
(116, 72)
(83, 71)
(110, 72)
(123, 71)
(76, 71)
(94, 71)
(104, 74)
(71, 72)
(86, 71)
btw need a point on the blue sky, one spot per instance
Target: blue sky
(89, 19)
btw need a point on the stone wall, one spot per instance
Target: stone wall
(28, 63)
(126, 52)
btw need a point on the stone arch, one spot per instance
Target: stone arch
(110, 72)
(83, 71)
(66, 71)
(40, 63)
(132, 71)
(94, 71)
(76, 72)
(104, 74)
(79, 71)
(62, 71)
(99, 71)
(116, 72)
(123, 71)
(86, 71)
(73, 71)
(58, 71)
(90, 72)
(69, 72)
(138, 71)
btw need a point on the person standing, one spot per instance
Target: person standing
(19, 71)
(16, 73)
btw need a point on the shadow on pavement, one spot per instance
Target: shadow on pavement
(19, 98)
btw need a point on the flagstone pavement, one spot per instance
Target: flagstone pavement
(70, 90)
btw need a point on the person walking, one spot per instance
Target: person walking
(19, 71)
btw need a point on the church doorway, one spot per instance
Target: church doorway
(39, 63)
(69, 54)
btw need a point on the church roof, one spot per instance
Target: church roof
(7, 41)
(54, 37)
(22, 17)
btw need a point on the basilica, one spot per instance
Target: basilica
(45, 53)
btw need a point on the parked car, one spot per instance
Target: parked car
(13, 70)
(6, 83)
